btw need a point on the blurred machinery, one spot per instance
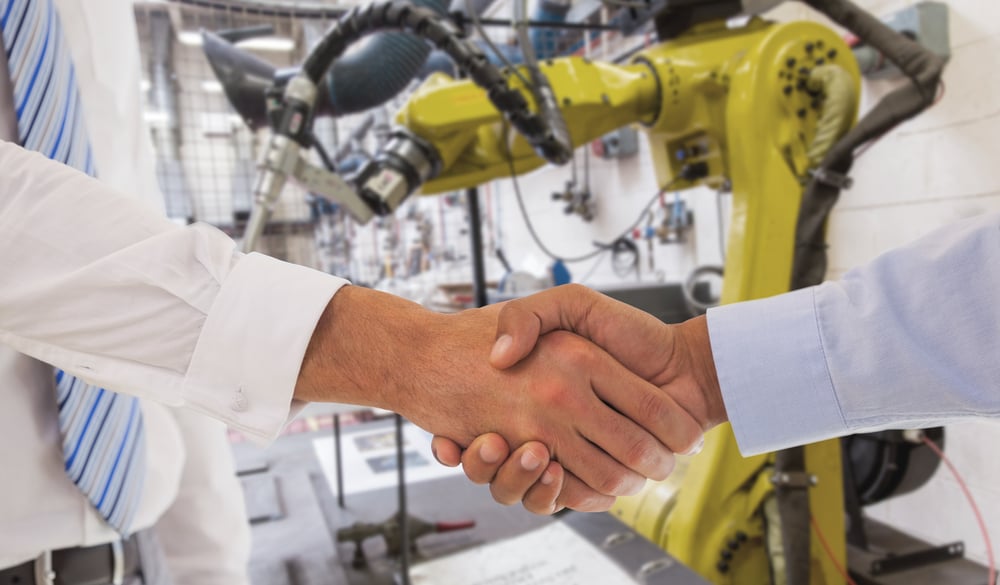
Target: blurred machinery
(391, 532)
(763, 109)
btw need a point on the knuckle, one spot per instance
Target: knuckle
(611, 484)
(502, 496)
(538, 503)
(571, 350)
(642, 454)
(654, 406)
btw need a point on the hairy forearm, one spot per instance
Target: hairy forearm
(360, 345)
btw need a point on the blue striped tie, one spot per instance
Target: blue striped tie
(103, 437)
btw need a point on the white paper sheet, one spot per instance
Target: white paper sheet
(552, 555)
(370, 459)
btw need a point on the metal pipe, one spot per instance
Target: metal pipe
(476, 237)
(404, 519)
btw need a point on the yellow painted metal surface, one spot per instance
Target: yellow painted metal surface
(468, 133)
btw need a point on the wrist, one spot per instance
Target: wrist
(696, 346)
(360, 349)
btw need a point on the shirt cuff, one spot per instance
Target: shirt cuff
(773, 372)
(247, 359)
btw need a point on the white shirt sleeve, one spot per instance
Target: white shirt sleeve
(910, 340)
(102, 286)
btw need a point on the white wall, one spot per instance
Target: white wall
(931, 171)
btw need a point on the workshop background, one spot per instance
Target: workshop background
(933, 170)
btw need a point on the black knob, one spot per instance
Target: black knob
(722, 566)
(741, 536)
(726, 555)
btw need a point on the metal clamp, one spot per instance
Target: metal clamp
(794, 479)
(832, 178)
(44, 575)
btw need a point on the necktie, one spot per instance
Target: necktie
(103, 441)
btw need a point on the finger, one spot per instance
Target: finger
(521, 470)
(446, 451)
(598, 470)
(576, 495)
(483, 458)
(543, 495)
(598, 422)
(653, 425)
(637, 339)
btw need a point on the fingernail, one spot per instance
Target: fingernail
(635, 489)
(501, 347)
(530, 461)
(547, 478)
(696, 448)
(489, 454)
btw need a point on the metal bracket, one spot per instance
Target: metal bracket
(616, 539)
(323, 182)
(920, 558)
(794, 479)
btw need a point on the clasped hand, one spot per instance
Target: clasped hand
(603, 396)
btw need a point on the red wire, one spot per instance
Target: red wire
(829, 552)
(972, 503)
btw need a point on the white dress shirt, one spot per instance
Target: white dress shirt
(97, 282)
(910, 340)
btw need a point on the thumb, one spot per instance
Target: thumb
(518, 330)
(446, 451)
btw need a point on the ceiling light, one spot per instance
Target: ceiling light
(211, 86)
(192, 38)
(275, 44)
(156, 117)
(144, 85)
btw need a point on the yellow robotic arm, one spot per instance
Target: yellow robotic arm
(751, 109)
(473, 143)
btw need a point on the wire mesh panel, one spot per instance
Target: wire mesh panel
(207, 152)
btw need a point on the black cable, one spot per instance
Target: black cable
(922, 68)
(431, 26)
(531, 228)
(476, 24)
(323, 154)
(624, 257)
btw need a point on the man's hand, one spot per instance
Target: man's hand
(677, 359)
(609, 428)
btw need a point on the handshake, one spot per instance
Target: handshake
(565, 399)
(584, 398)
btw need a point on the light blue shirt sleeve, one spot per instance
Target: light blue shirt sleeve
(908, 341)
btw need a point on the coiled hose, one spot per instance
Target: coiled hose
(428, 24)
(380, 70)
